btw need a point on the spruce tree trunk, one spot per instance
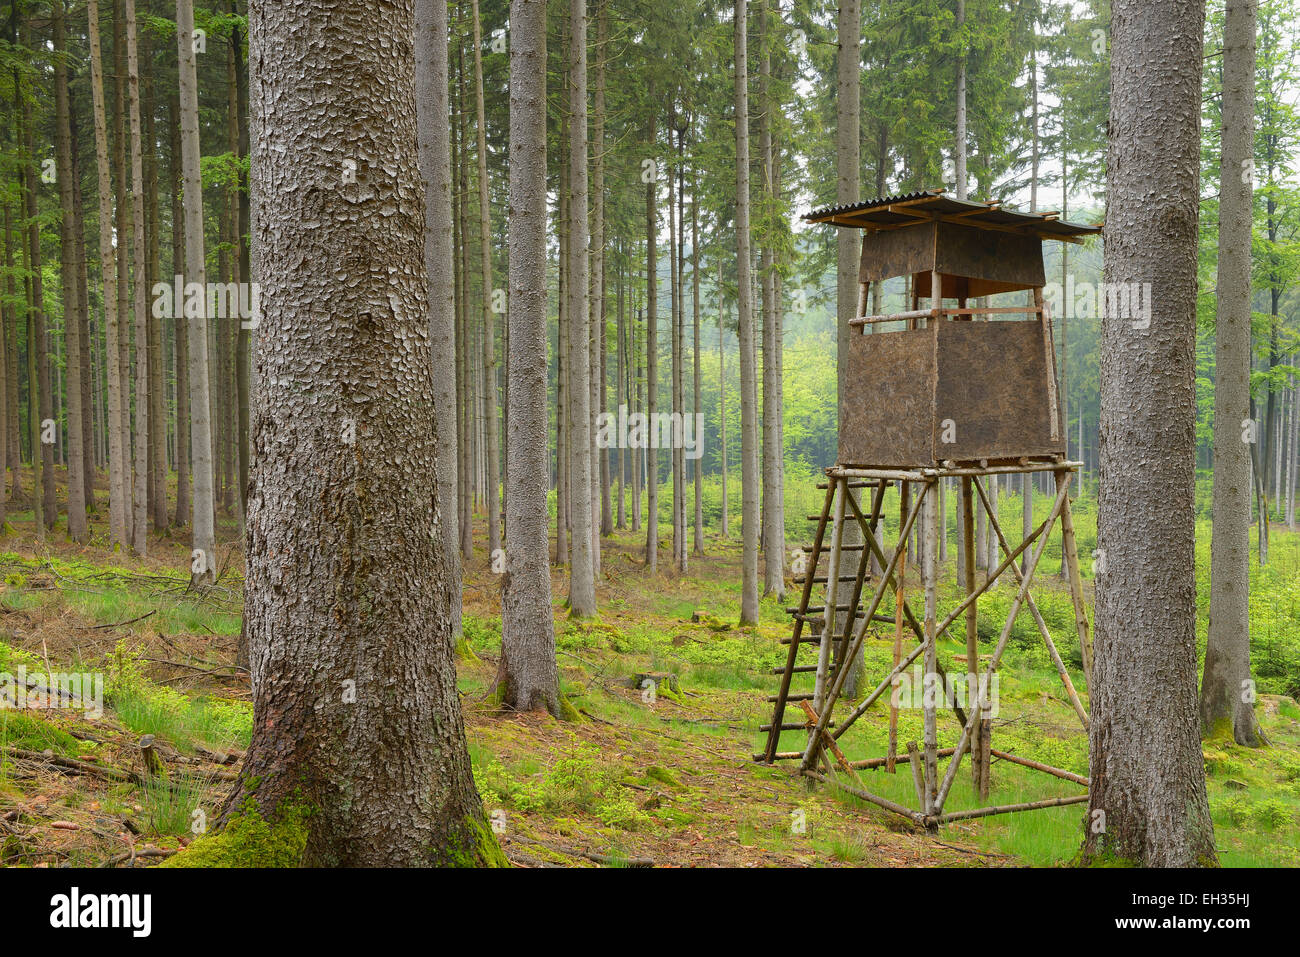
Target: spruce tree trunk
(1226, 706)
(117, 502)
(431, 100)
(652, 352)
(492, 442)
(582, 586)
(749, 475)
(1147, 801)
(528, 677)
(203, 555)
(356, 716)
(72, 303)
(140, 509)
(179, 323)
(773, 460)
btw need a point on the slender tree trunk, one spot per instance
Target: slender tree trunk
(492, 450)
(72, 303)
(203, 557)
(725, 525)
(596, 340)
(698, 537)
(1147, 802)
(652, 353)
(749, 477)
(431, 99)
(179, 324)
(140, 510)
(773, 460)
(1227, 704)
(528, 677)
(582, 589)
(117, 503)
(43, 409)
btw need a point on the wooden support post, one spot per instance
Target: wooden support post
(930, 574)
(841, 673)
(1019, 600)
(832, 587)
(979, 744)
(1037, 615)
(1076, 582)
(918, 774)
(904, 490)
(778, 712)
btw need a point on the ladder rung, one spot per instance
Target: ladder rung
(794, 727)
(821, 579)
(801, 670)
(780, 756)
(792, 697)
(807, 549)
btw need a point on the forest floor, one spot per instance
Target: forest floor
(666, 780)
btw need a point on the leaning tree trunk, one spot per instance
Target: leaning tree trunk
(356, 716)
(528, 678)
(1147, 802)
(1227, 707)
(431, 99)
(749, 478)
(203, 556)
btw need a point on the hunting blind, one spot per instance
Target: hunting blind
(938, 394)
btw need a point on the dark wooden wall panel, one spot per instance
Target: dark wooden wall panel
(992, 383)
(887, 411)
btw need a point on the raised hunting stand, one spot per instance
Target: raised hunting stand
(936, 393)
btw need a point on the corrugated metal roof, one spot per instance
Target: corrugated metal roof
(886, 212)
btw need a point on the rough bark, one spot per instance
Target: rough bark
(431, 101)
(72, 305)
(749, 474)
(356, 714)
(1227, 707)
(1147, 801)
(140, 487)
(203, 561)
(528, 677)
(582, 586)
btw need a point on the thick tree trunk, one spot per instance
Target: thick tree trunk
(1227, 706)
(203, 556)
(1147, 802)
(528, 678)
(354, 683)
(749, 475)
